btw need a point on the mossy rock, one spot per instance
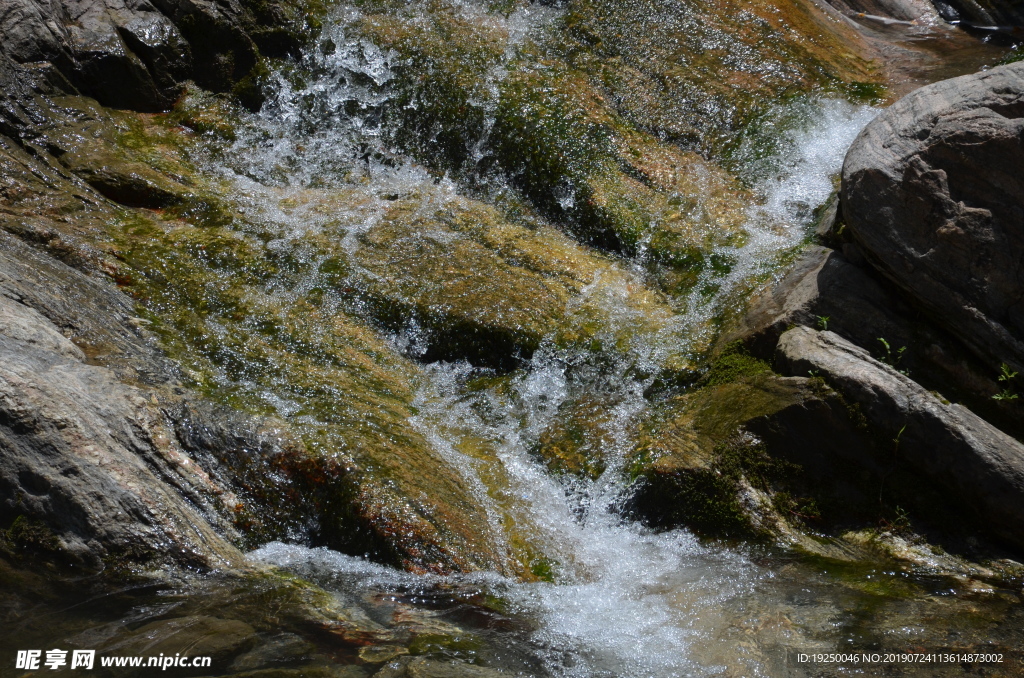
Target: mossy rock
(420, 667)
(699, 465)
(575, 442)
(482, 287)
(369, 480)
(473, 302)
(349, 470)
(549, 127)
(217, 638)
(698, 71)
(579, 122)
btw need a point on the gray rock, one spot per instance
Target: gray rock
(137, 54)
(932, 192)
(197, 636)
(687, 462)
(823, 289)
(93, 460)
(25, 325)
(979, 467)
(86, 310)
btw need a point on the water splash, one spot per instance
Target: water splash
(791, 160)
(624, 601)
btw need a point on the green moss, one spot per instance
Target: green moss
(1015, 55)
(669, 72)
(206, 113)
(695, 460)
(733, 363)
(868, 92)
(249, 90)
(465, 647)
(705, 502)
(544, 569)
(574, 441)
(548, 126)
(708, 499)
(31, 536)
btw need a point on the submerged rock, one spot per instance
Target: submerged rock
(421, 667)
(198, 635)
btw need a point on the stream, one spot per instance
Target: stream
(608, 597)
(623, 600)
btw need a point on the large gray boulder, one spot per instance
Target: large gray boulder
(825, 289)
(979, 467)
(91, 466)
(933, 191)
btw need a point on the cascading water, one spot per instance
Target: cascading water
(623, 600)
(439, 303)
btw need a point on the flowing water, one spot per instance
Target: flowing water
(623, 600)
(611, 597)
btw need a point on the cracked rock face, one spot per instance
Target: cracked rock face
(932, 192)
(136, 54)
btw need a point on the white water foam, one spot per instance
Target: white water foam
(626, 602)
(810, 139)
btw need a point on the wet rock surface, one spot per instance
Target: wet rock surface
(138, 55)
(227, 336)
(911, 305)
(74, 179)
(1004, 13)
(82, 450)
(718, 456)
(826, 289)
(900, 10)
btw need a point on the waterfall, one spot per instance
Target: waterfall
(623, 600)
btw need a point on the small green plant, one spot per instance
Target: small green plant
(802, 509)
(890, 357)
(899, 523)
(1007, 378)
(734, 363)
(823, 322)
